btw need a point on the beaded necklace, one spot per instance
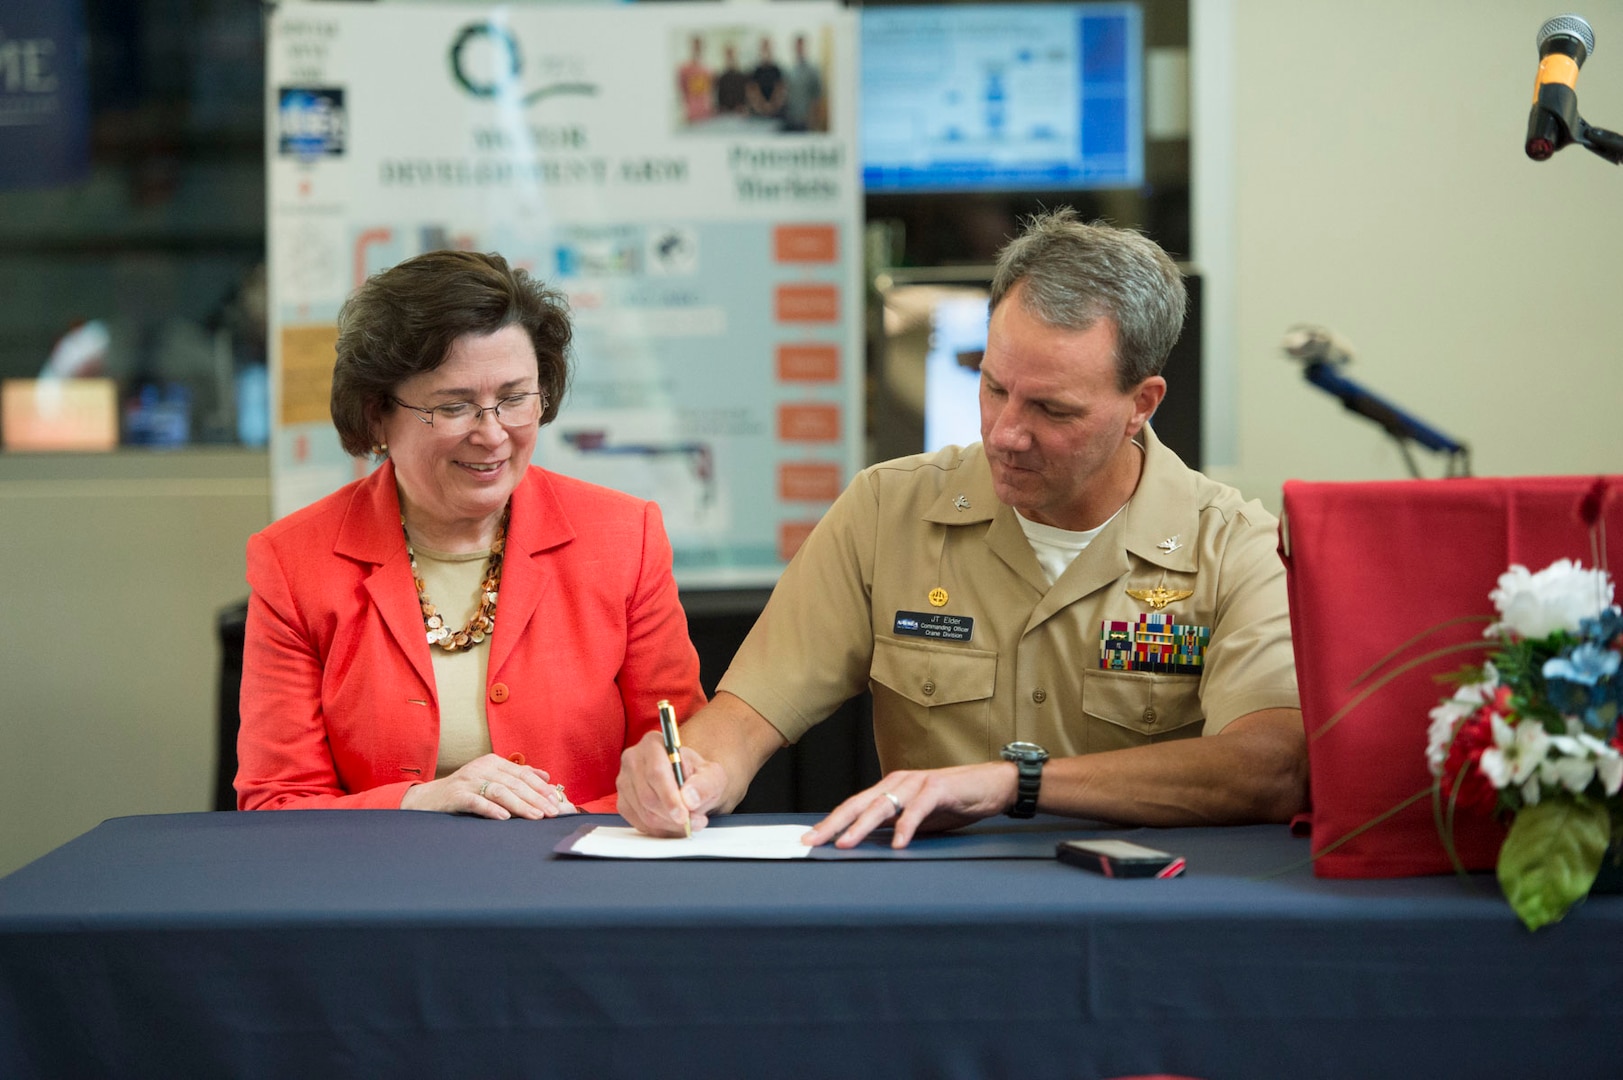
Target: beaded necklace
(483, 622)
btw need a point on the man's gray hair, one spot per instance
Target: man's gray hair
(1074, 273)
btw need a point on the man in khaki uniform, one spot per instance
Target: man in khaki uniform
(1049, 619)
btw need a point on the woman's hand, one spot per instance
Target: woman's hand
(493, 787)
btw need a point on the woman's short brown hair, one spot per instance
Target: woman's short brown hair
(404, 320)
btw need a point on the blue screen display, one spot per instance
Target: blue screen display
(1013, 97)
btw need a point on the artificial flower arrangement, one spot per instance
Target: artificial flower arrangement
(1533, 735)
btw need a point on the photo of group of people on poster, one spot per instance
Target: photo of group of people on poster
(741, 80)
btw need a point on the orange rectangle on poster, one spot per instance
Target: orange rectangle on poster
(807, 303)
(811, 362)
(809, 423)
(791, 534)
(805, 244)
(308, 354)
(59, 414)
(808, 481)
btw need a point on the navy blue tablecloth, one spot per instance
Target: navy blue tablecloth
(394, 943)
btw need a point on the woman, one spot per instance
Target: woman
(460, 631)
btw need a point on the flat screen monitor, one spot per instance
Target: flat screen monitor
(1002, 97)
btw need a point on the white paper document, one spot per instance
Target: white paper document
(730, 842)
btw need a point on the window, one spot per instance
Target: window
(149, 269)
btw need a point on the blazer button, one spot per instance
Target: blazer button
(498, 692)
(1039, 695)
(516, 758)
(929, 687)
(1149, 716)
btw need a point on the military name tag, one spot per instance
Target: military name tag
(934, 624)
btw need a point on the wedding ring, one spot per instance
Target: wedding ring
(896, 804)
(483, 787)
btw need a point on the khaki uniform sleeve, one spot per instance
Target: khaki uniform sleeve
(1249, 663)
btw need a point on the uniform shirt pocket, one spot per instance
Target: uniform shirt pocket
(1126, 708)
(932, 703)
(934, 674)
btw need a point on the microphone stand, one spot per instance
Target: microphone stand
(1608, 144)
(1555, 123)
(1403, 428)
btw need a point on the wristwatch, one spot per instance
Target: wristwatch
(1029, 758)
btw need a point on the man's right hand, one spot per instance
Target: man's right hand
(724, 744)
(649, 798)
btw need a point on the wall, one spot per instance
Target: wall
(114, 568)
(1380, 188)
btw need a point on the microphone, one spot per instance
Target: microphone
(1564, 43)
(1317, 345)
(1322, 351)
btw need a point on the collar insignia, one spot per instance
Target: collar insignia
(961, 502)
(1169, 545)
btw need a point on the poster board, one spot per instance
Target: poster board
(711, 254)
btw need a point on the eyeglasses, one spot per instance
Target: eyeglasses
(462, 417)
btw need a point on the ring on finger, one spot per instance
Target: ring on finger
(483, 788)
(895, 804)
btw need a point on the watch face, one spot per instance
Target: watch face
(1024, 751)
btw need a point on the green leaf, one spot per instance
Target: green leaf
(1551, 856)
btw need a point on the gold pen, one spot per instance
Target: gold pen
(673, 750)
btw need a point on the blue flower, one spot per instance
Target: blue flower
(1580, 684)
(1603, 628)
(1587, 664)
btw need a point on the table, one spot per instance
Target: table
(383, 943)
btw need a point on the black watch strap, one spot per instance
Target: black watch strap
(1028, 760)
(1031, 781)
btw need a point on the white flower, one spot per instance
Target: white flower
(1571, 763)
(1440, 736)
(1515, 755)
(1558, 597)
(1446, 717)
(1608, 762)
(1566, 744)
(1572, 773)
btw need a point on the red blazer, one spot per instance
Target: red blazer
(338, 701)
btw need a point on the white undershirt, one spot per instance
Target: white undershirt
(1056, 548)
